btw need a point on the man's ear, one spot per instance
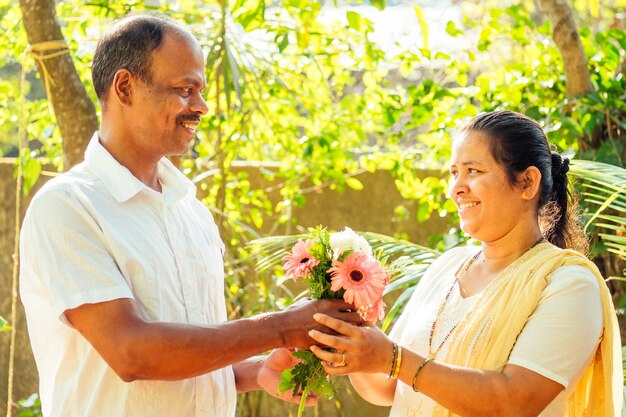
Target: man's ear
(122, 87)
(530, 181)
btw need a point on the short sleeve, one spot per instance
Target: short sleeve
(63, 254)
(562, 334)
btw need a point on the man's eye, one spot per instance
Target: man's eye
(185, 92)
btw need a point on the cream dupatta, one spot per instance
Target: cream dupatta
(485, 338)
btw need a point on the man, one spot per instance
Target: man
(122, 273)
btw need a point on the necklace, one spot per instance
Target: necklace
(459, 273)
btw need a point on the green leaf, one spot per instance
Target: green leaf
(484, 39)
(31, 171)
(286, 381)
(354, 20)
(354, 183)
(401, 211)
(423, 212)
(452, 29)
(421, 18)
(257, 218)
(308, 150)
(379, 4)
(308, 373)
(251, 14)
(4, 326)
(282, 40)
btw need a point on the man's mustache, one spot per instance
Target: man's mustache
(189, 117)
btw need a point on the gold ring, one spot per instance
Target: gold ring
(343, 360)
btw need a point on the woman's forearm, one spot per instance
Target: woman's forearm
(516, 391)
(474, 392)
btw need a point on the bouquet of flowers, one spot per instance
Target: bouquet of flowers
(333, 265)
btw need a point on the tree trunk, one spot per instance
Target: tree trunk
(567, 39)
(75, 112)
(577, 78)
(25, 380)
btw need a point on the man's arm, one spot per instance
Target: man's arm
(139, 350)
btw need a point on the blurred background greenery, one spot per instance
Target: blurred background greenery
(327, 112)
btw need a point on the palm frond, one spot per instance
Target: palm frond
(603, 193)
(269, 251)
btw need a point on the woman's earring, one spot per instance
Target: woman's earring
(526, 195)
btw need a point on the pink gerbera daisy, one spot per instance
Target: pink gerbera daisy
(374, 312)
(362, 277)
(299, 261)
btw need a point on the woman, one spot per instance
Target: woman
(519, 326)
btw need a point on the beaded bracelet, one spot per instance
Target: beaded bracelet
(393, 360)
(396, 370)
(419, 368)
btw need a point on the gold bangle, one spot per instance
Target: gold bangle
(393, 360)
(419, 368)
(396, 371)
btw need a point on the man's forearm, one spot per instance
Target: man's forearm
(163, 351)
(136, 349)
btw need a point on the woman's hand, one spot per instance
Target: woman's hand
(357, 348)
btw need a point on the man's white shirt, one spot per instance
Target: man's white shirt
(95, 234)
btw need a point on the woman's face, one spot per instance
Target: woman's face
(489, 206)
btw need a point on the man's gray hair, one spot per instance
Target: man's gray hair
(128, 44)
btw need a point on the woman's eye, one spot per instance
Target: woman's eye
(472, 170)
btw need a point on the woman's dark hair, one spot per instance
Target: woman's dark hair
(128, 45)
(518, 142)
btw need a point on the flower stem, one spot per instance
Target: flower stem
(305, 392)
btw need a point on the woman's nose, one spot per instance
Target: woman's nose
(457, 186)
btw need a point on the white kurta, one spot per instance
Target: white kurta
(558, 341)
(97, 234)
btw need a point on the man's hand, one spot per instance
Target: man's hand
(269, 376)
(298, 319)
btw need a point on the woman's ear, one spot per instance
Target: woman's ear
(122, 87)
(530, 181)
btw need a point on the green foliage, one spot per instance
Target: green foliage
(30, 407)
(282, 88)
(603, 193)
(309, 373)
(4, 325)
(319, 280)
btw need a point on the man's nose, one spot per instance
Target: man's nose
(198, 105)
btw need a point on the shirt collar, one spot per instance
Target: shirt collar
(174, 184)
(123, 185)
